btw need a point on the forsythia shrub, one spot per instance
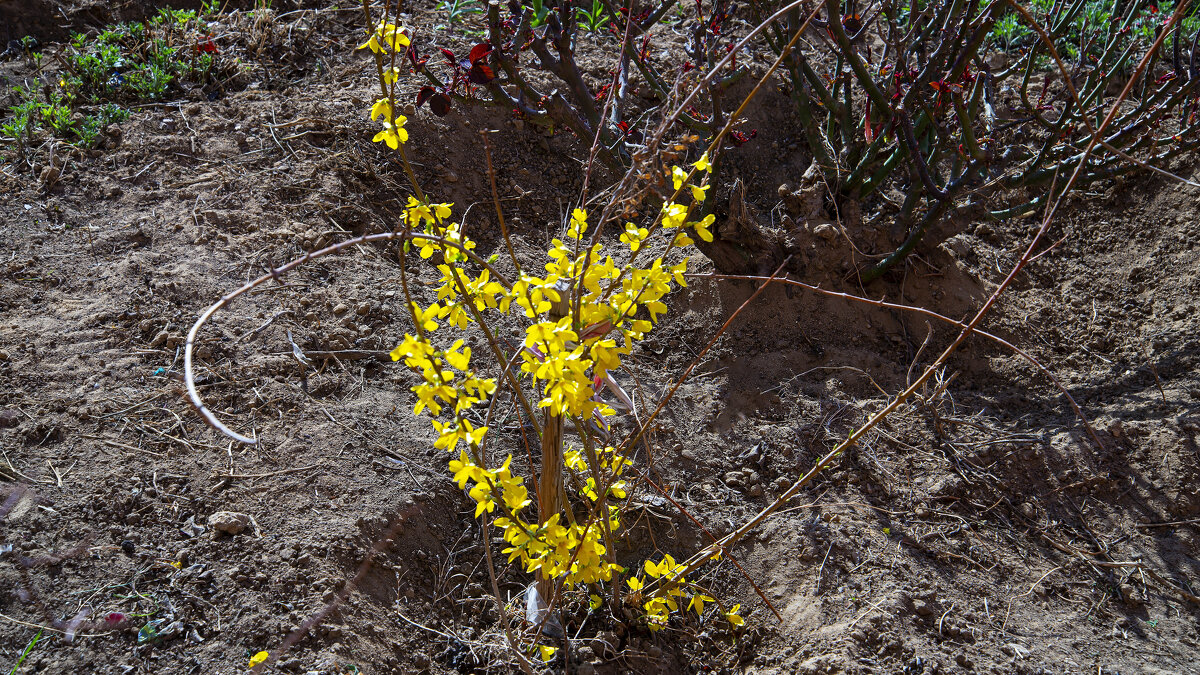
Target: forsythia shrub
(614, 299)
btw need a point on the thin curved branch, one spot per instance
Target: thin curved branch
(932, 314)
(189, 378)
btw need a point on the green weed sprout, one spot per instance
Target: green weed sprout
(593, 20)
(458, 11)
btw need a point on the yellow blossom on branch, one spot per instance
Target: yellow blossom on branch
(633, 236)
(393, 134)
(389, 35)
(566, 356)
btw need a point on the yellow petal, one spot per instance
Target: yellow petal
(382, 108)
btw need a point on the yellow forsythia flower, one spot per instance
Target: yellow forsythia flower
(698, 601)
(258, 659)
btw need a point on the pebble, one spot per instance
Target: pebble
(341, 308)
(363, 309)
(825, 231)
(173, 629)
(922, 607)
(959, 246)
(1015, 650)
(229, 522)
(1130, 595)
(606, 644)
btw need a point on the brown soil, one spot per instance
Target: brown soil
(977, 530)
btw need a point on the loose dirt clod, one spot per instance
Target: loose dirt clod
(228, 522)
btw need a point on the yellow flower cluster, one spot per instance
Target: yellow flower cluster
(673, 589)
(610, 464)
(559, 355)
(675, 214)
(585, 314)
(564, 357)
(659, 606)
(388, 36)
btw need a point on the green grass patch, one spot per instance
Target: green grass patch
(103, 73)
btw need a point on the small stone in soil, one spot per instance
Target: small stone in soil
(228, 522)
(606, 644)
(825, 231)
